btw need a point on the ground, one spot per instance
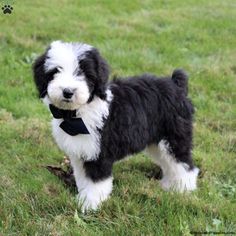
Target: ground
(135, 37)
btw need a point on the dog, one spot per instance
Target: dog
(97, 122)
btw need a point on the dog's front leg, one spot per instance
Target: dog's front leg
(93, 183)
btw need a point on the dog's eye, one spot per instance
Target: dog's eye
(80, 72)
(79, 75)
(54, 71)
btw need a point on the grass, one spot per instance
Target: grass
(135, 37)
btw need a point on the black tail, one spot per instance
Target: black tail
(180, 78)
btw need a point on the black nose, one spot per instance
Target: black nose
(67, 93)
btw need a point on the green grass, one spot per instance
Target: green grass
(135, 37)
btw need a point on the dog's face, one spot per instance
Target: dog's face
(69, 75)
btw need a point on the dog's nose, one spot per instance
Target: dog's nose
(67, 93)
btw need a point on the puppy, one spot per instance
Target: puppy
(96, 122)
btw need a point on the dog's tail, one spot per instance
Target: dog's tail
(180, 78)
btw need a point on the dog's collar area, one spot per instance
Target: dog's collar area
(70, 124)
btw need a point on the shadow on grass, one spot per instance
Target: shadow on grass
(65, 175)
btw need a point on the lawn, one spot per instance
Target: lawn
(135, 37)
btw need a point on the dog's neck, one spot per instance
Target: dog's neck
(93, 113)
(70, 124)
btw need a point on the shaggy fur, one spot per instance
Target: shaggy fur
(123, 116)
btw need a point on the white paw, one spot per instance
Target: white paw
(186, 181)
(93, 194)
(87, 204)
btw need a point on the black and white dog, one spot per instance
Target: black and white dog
(97, 122)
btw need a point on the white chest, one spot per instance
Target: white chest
(85, 146)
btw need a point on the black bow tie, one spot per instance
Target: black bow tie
(71, 125)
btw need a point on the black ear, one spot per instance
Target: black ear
(39, 75)
(96, 71)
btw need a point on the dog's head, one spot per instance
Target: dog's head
(69, 75)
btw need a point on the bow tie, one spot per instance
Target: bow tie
(70, 124)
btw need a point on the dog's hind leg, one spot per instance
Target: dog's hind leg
(178, 175)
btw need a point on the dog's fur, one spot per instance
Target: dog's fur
(124, 117)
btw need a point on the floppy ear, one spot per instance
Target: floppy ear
(96, 71)
(40, 79)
